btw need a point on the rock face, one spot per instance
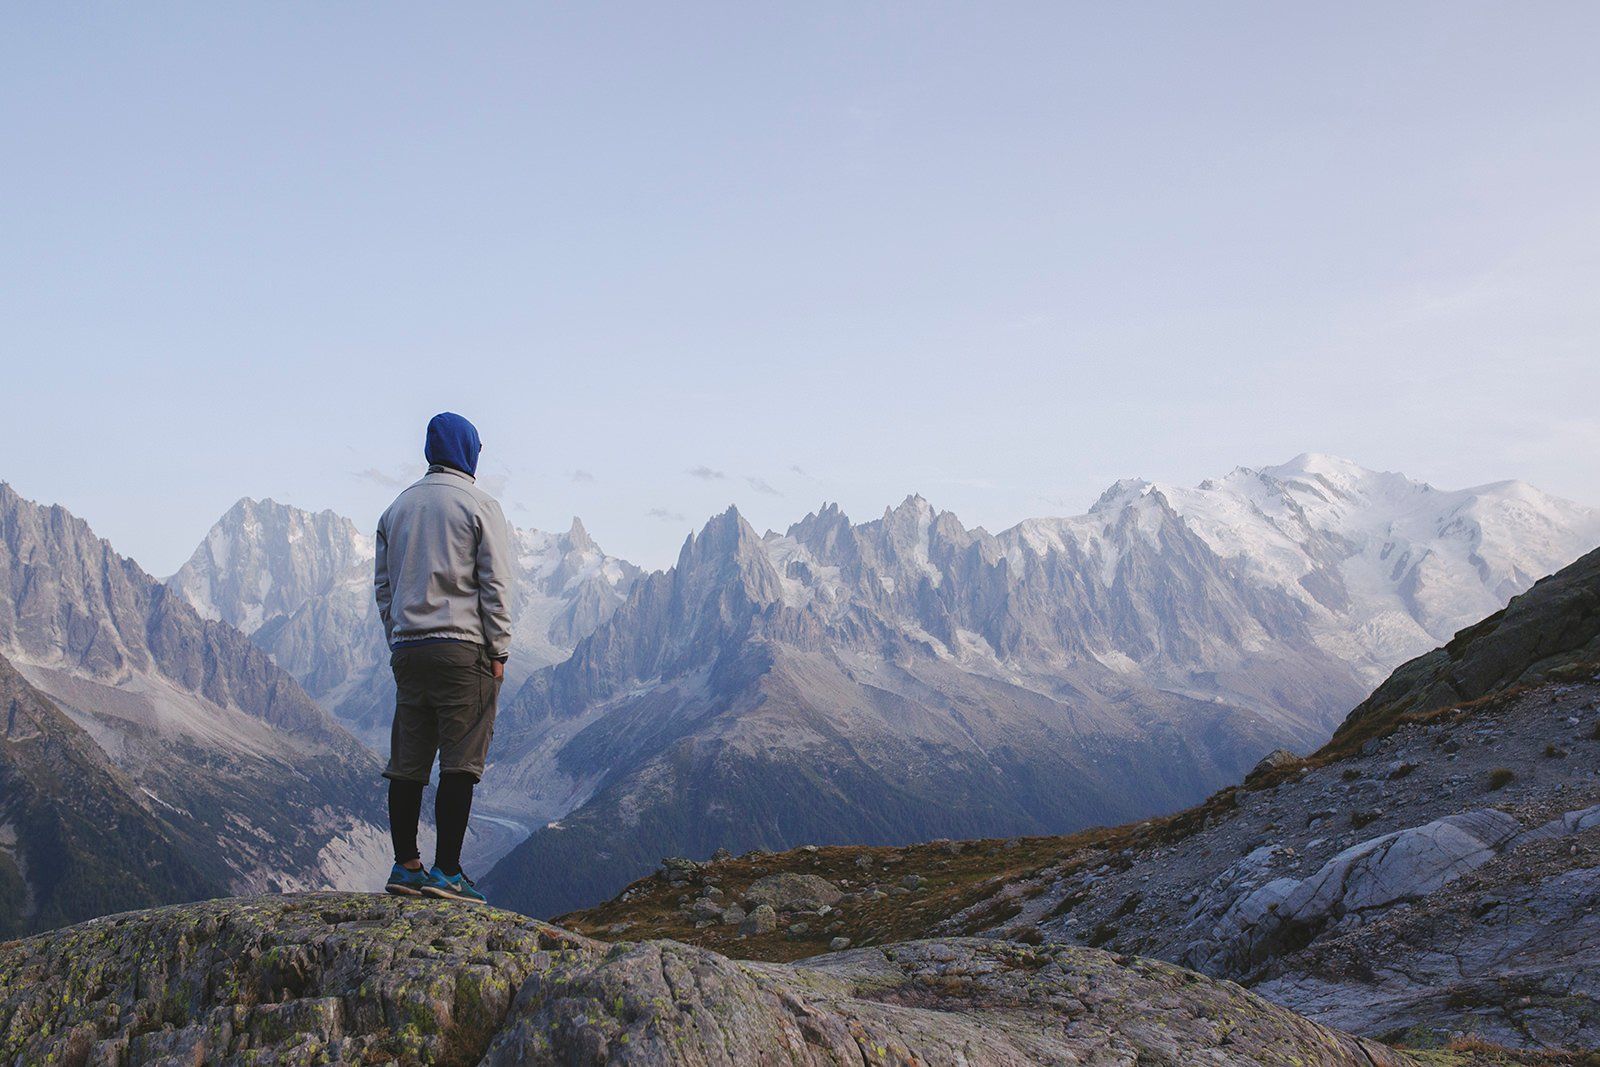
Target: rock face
(361, 979)
(205, 734)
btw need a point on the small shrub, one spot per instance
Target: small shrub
(1358, 819)
(1554, 751)
(1501, 777)
(1101, 934)
(1402, 770)
(1350, 774)
(1067, 903)
(1128, 906)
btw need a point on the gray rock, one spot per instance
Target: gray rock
(1366, 877)
(981, 1003)
(838, 944)
(788, 891)
(762, 920)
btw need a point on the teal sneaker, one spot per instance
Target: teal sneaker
(404, 882)
(451, 887)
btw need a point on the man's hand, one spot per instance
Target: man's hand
(499, 668)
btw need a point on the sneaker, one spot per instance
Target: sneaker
(451, 887)
(405, 882)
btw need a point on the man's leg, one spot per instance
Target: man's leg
(466, 723)
(405, 811)
(452, 806)
(413, 741)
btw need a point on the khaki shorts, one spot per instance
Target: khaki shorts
(444, 705)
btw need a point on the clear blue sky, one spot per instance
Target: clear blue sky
(997, 253)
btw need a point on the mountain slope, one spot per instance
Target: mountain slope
(75, 842)
(1549, 629)
(197, 718)
(909, 678)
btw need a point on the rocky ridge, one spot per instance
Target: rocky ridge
(329, 978)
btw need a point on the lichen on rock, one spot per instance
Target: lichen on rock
(339, 978)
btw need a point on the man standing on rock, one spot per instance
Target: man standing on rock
(441, 574)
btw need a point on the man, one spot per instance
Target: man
(443, 562)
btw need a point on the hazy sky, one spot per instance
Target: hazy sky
(673, 256)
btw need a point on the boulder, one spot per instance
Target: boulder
(793, 892)
(1272, 761)
(762, 920)
(1254, 919)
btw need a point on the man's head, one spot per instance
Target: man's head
(453, 442)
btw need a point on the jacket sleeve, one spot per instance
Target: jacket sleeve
(380, 582)
(494, 576)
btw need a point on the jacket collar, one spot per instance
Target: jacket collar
(445, 468)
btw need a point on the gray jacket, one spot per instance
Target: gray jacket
(444, 564)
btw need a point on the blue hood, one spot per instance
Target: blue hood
(453, 441)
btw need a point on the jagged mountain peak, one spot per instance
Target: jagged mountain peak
(1119, 494)
(577, 537)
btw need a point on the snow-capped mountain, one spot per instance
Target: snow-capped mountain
(908, 677)
(1387, 567)
(128, 706)
(300, 584)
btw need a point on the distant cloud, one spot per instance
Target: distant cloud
(583, 477)
(378, 477)
(493, 484)
(664, 515)
(760, 485)
(797, 469)
(705, 473)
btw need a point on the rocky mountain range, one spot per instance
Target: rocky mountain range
(1430, 877)
(135, 729)
(300, 585)
(908, 678)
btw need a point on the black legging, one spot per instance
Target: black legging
(452, 805)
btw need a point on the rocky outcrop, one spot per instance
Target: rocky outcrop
(327, 978)
(1367, 877)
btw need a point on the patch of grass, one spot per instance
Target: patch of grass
(1501, 777)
